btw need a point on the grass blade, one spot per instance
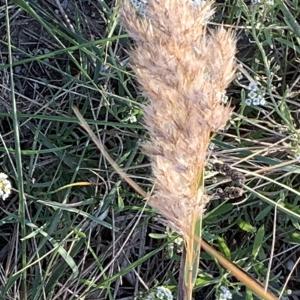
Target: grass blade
(22, 198)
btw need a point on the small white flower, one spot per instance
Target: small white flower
(256, 101)
(225, 293)
(163, 293)
(255, 94)
(252, 95)
(248, 101)
(252, 86)
(132, 119)
(159, 293)
(262, 100)
(289, 292)
(5, 186)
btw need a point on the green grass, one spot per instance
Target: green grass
(60, 240)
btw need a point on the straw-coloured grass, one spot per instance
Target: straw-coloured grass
(183, 68)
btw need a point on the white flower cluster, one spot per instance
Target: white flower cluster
(141, 5)
(5, 186)
(255, 95)
(268, 2)
(163, 293)
(160, 293)
(225, 293)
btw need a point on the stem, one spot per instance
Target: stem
(188, 269)
(181, 291)
(19, 175)
(192, 255)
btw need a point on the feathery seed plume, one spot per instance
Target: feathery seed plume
(183, 68)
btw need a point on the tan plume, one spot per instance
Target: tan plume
(184, 69)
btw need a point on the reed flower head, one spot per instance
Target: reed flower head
(184, 69)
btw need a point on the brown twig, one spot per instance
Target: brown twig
(239, 274)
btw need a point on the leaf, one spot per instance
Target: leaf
(66, 119)
(120, 199)
(157, 236)
(223, 247)
(249, 295)
(283, 207)
(286, 113)
(264, 213)
(59, 248)
(246, 226)
(218, 212)
(74, 184)
(62, 206)
(205, 280)
(258, 242)
(294, 237)
(290, 19)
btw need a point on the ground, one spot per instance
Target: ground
(71, 228)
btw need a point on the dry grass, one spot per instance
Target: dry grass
(184, 69)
